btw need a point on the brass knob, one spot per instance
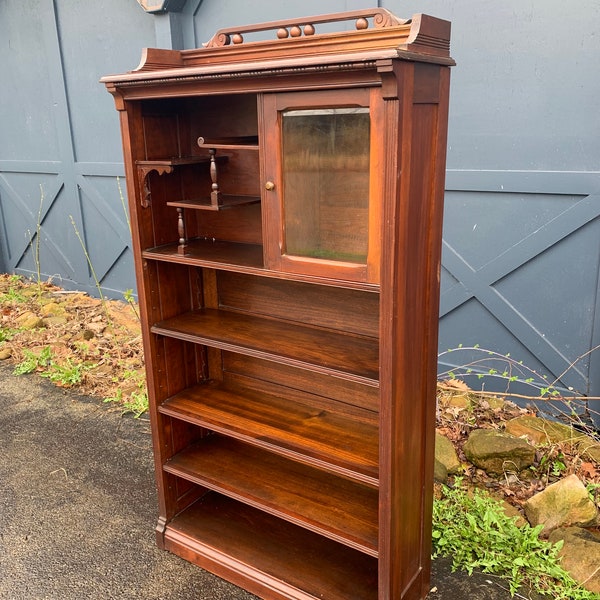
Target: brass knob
(269, 186)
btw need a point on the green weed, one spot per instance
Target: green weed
(134, 401)
(12, 296)
(7, 334)
(473, 529)
(130, 299)
(66, 374)
(33, 362)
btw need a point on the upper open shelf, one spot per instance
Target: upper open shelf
(249, 142)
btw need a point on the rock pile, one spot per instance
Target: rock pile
(561, 504)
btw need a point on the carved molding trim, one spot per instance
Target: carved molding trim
(306, 26)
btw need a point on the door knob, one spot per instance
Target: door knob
(269, 186)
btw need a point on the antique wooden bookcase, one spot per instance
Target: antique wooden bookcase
(286, 206)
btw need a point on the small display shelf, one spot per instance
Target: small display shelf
(248, 142)
(227, 201)
(163, 166)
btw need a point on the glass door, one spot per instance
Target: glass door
(320, 202)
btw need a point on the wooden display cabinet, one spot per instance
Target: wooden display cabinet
(286, 205)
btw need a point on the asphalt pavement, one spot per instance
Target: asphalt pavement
(78, 508)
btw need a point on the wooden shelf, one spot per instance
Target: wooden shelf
(237, 257)
(249, 142)
(335, 353)
(212, 253)
(174, 162)
(337, 508)
(269, 556)
(339, 443)
(225, 201)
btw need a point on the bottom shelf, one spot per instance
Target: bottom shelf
(268, 556)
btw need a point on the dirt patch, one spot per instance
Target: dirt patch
(73, 339)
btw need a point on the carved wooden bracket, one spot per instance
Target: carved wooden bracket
(306, 26)
(143, 172)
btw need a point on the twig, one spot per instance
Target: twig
(63, 470)
(536, 398)
(517, 595)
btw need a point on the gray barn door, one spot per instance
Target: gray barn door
(60, 153)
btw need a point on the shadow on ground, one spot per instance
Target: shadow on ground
(78, 508)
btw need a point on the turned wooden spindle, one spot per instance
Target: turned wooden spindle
(181, 231)
(215, 193)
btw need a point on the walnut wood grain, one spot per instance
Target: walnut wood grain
(315, 369)
(307, 432)
(268, 556)
(337, 508)
(334, 353)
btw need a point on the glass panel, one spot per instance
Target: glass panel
(326, 183)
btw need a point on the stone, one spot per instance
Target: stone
(29, 320)
(55, 321)
(440, 473)
(495, 403)
(446, 454)
(53, 309)
(589, 448)
(5, 353)
(580, 555)
(513, 513)
(542, 431)
(459, 401)
(496, 452)
(561, 504)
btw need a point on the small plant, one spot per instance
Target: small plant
(473, 529)
(552, 463)
(123, 203)
(66, 375)
(485, 365)
(33, 362)
(93, 271)
(7, 334)
(137, 403)
(12, 296)
(134, 401)
(38, 231)
(129, 298)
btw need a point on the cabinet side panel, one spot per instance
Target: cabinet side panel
(172, 365)
(410, 290)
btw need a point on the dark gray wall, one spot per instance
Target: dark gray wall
(522, 227)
